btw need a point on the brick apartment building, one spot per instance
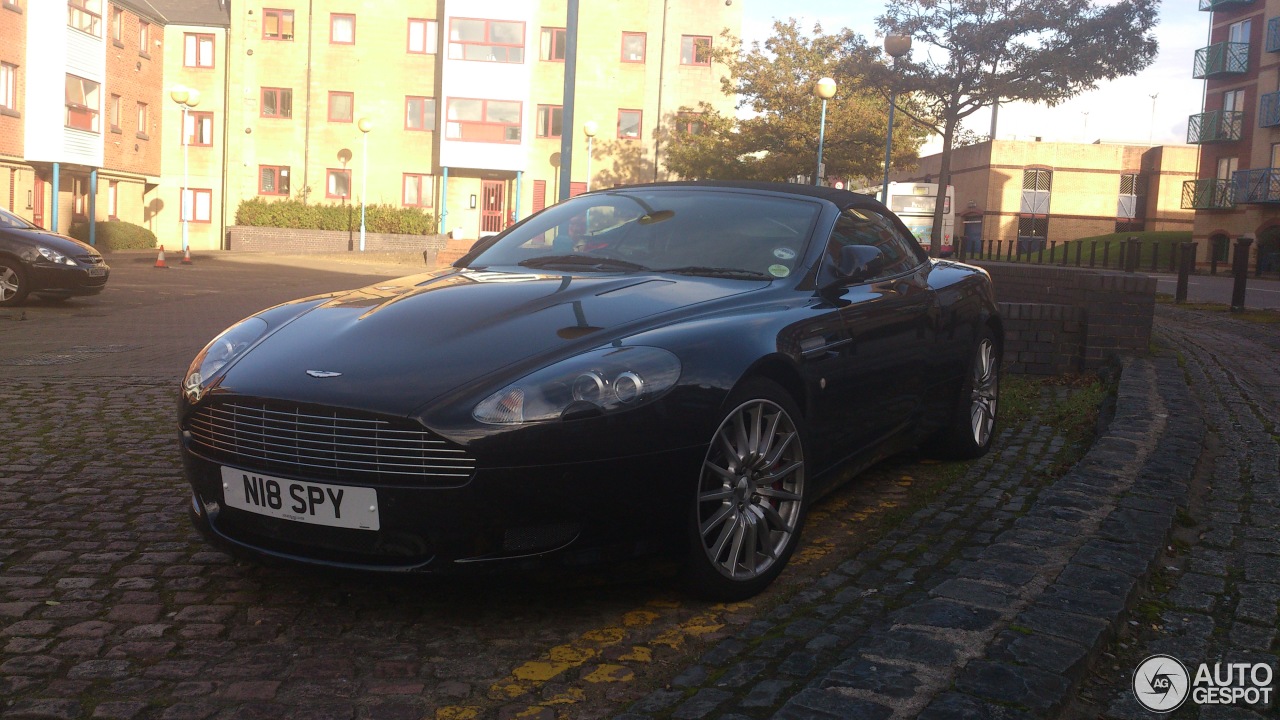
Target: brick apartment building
(1236, 192)
(1033, 192)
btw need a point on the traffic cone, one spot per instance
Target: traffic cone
(186, 256)
(160, 259)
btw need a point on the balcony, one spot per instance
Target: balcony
(1218, 126)
(1224, 58)
(1223, 4)
(1208, 194)
(1273, 35)
(1257, 186)
(1269, 110)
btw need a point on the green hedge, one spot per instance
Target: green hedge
(256, 212)
(115, 235)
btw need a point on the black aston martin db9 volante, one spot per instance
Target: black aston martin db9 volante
(680, 365)
(45, 263)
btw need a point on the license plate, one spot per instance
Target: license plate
(341, 506)
(97, 272)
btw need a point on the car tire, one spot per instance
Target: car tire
(972, 427)
(749, 503)
(13, 282)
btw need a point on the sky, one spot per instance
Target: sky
(1122, 110)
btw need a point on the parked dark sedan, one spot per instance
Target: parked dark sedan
(678, 366)
(47, 264)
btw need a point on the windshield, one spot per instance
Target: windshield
(691, 231)
(9, 220)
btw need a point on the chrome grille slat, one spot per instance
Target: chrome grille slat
(277, 438)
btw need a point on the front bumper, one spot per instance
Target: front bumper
(65, 280)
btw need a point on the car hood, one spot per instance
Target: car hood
(401, 343)
(61, 243)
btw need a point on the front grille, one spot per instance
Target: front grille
(90, 259)
(327, 443)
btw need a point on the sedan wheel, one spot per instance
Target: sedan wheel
(750, 501)
(13, 283)
(986, 392)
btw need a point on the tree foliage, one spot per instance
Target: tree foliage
(970, 54)
(778, 136)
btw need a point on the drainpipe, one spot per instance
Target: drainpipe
(662, 73)
(441, 224)
(93, 206)
(570, 82)
(515, 215)
(306, 137)
(226, 123)
(56, 184)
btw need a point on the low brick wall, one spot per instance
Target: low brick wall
(1043, 339)
(1114, 310)
(286, 240)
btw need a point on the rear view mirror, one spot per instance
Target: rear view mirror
(859, 262)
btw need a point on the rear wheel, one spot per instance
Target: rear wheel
(973, 424)
(13, 283)
(750, 501)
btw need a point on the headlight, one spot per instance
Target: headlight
(222, 350)
(600, 381)
(56, 257)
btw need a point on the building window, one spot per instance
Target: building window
(420, 113)
(553, 44)
(8, 87)
(117, 25)
(113, 113)
(277, 102)
(143, 123)
(1275, 156)
(79, 197)
(342, 29)
(1239, 32)
(1233, 100)
(494, 121)
(113, 199)
(418, 190)
(197, 205)
(197, 50)
(273, 180)
(1131, 207)
(695, 49)
(550, 121)
(1227, 167)
(338, 183)
(633, 46)
(629, 124)
(422, 36)
(277, 24)
(486, 40)
(341, 106)
(82, 104)
(144, 38)
(85, 16)
(690, 123)
(199, 128)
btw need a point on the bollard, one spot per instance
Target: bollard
(1012, 243)
(1040, 254)
(1187, 259)
(1131, 254)
(1079, 249)
(1240, 268)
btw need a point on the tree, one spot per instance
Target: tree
(980, 52)
(778, 137)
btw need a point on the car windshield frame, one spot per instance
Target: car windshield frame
(12, 222)
(723, 233)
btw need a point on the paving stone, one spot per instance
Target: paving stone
(703, 704)
(958, 706)
(1041, 692)
(876, 676)
(814, 703)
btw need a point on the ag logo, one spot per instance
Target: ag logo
(1161, 683)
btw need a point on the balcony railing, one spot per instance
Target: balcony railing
(1208, 194)
(1223, 4)
(1224, 58)
(1273, 35)
(1215, 127)
(1257, 186)
(1269, 110)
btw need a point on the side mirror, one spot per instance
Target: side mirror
(855, 264)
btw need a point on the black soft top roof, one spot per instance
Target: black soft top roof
(841, 198)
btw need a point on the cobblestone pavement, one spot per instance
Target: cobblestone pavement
(993, 599)
(1217, 590)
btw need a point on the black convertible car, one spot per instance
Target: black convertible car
(45, 263)
(677, 366)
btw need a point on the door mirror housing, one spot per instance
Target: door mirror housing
(855, 264)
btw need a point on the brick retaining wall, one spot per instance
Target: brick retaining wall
(288, 240)
(1114, 312)
(1042, 339)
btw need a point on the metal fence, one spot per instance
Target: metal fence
(1131, 255)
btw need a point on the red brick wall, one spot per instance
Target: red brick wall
(135, 78)
(13, 49)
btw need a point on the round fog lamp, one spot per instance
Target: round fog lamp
(628, 387)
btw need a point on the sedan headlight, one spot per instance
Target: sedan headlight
(56, 257)
(217, 354)
(600, 381)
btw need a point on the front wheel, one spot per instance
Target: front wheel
(13, 283)
(750, 501)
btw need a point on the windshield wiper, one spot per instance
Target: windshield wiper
(719, 272)
(603, 264)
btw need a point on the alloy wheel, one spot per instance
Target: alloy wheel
(986, 392)
(751, 492)
(9, 283)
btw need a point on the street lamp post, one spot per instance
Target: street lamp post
(365, 126)
(825, 89)
(896, 46)
(187, 98)
(589, 129)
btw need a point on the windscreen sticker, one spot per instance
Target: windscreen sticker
(779, 271)
(784, 253)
